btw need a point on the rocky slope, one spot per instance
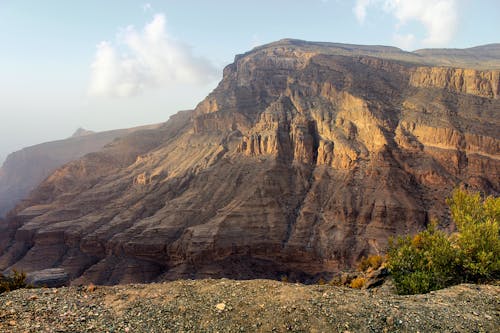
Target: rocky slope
(247, 306)
(25, 169)
(306, 157)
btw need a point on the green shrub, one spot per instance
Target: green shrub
(424, 262)
(477, 239)
(16, 280)
(432, 259)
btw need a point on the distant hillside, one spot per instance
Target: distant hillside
(25, 169)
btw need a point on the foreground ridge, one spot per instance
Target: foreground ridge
(248, 306)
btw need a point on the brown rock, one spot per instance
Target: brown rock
(376, 278)
(50, 278)
(305, 158)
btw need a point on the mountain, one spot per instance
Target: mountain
(25, 169)
(82, 132)
(306, 157)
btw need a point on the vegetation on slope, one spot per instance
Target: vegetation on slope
(14, 281)
(433, 260)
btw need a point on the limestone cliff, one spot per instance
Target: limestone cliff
(306, 157)
(467, 81)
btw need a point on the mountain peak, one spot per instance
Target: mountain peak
(81, 132)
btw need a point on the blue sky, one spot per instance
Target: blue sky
(113, 64)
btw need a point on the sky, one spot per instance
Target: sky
(113, 64)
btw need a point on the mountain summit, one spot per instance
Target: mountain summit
(306, 157)
(81, 132)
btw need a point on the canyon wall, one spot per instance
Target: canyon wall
(299, 163)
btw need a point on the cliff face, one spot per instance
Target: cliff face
(300, 162)
(466, 81)
(25, 169)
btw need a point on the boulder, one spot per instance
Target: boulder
(51, 278)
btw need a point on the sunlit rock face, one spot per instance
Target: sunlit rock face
(306, 157)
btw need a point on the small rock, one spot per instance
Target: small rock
(12, 323)
(221, 306)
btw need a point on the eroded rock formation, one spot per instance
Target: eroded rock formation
(301, 161)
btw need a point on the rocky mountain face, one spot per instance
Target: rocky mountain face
(306, 157)
(25, 169)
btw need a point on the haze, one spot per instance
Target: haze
(115, 64)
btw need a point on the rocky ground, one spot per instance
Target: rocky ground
(248, 306)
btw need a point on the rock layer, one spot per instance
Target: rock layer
(300, 162)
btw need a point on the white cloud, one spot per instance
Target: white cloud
(439, 18)
(146, 7)
(151, 59)
(360, 9)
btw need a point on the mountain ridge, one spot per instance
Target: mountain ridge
(23, 170)
(477, 57)
(299, 163)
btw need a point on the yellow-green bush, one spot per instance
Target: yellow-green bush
(422, 263)
(432, 259)
(371, 262)
(477, 240)
(358, 283)
(15, 281)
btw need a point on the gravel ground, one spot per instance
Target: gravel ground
(248, 306)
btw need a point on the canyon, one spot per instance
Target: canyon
(305, 158)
